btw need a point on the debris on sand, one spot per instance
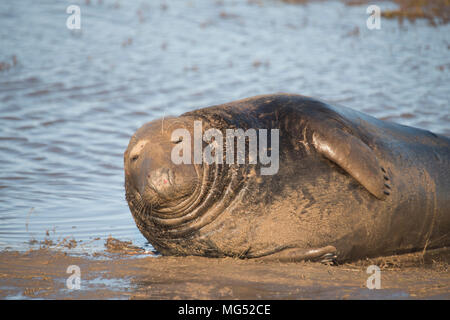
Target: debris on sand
(435, 11)
(124, 247)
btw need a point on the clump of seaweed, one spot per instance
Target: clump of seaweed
(435, 11)
(123, 247)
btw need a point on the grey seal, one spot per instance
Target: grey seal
(349, 186)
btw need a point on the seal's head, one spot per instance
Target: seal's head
(152, 179)
(172, 197)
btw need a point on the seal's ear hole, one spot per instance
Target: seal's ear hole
(178, 140)
(135, 157)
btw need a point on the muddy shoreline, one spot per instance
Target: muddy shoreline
(42, 274)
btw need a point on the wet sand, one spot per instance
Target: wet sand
(41, 274)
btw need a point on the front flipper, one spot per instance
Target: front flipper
(325, 255)
(355, 157)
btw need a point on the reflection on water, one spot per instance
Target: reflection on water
(70, 100)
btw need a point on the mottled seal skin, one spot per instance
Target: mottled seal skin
(348, 184)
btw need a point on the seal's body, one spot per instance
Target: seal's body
(347, 184)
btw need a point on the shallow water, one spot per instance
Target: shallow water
(72, 99)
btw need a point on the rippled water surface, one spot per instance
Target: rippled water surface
(70, 100)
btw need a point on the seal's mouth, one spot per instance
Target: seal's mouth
(165, 186)
(166, 194)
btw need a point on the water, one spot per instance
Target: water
(73, 99)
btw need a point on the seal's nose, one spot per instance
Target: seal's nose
(160, 179)
(153, 172)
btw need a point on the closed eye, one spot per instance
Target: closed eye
(137, 149)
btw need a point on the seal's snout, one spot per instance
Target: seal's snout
(160, 179)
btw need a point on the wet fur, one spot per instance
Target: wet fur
(312, 202)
